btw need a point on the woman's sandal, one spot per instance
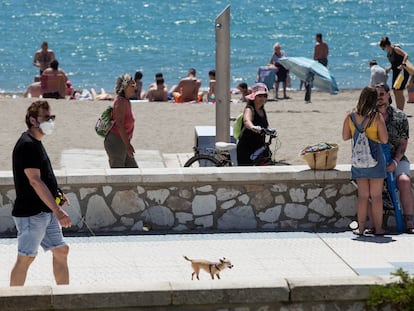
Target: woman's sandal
(357, 232)
(369, 231)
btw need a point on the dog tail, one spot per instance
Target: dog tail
(186, 258)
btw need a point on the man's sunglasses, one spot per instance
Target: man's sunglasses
(49, 117)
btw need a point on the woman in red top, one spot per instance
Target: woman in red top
(118, 141)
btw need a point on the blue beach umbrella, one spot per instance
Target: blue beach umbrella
(303, 67)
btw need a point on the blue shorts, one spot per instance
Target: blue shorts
(42, 229)
(403, 168)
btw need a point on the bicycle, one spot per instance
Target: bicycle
(220, 155)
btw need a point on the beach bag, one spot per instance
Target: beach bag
(321, 156)
(238, 126)
(105, 122)
(361, 150)
(399, 80)
(409, 67)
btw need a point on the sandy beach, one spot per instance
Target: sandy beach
(169, 127)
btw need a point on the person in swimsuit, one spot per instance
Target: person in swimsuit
(57, 90)
(254, 118)
(398, 59)
(282, 72)
(321, 50)
(187, 89)
(158, 90)
(43, 57)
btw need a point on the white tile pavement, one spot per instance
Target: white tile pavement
(113, 260)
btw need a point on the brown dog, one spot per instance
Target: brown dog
(213, 268)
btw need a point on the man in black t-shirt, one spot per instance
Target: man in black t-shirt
(37, 216)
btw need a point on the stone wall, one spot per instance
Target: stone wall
(126, 201)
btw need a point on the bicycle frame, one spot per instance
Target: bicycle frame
(263, 156)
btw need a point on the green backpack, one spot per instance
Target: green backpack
(105, 122)
(238, 126)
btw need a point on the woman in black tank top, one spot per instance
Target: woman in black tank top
(254, 118)
(398, 58)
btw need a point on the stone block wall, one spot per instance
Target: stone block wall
(127, 201)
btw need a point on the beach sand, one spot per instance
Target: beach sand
(169, 127)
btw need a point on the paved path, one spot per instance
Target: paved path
(116, 260)
(92, 158)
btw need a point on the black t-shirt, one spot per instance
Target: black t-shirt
(30, 153)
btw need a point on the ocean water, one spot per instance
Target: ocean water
(96, 40)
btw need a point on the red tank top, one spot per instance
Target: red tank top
(129, 119)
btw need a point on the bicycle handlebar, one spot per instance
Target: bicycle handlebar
(270, 132)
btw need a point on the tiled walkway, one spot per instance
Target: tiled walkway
(263, 256)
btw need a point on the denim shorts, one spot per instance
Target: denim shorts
(403, 168)
(42, 229)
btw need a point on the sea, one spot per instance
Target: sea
(97, 40)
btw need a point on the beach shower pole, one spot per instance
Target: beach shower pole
(222, 88)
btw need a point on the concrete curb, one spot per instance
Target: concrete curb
(194, 296)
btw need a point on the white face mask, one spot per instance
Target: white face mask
(47, 127)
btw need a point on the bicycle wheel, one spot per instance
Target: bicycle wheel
(202, 160)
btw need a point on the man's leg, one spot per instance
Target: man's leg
(284, 89)
(30, 231)
(399, 99)
(60, 265)
(276, 89)
(19, 271)
(407, 201)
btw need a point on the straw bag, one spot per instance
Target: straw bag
(321, 156)
(409, 67)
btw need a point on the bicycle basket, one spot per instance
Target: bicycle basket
(321, 156)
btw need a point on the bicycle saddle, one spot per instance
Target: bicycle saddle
(223, 146)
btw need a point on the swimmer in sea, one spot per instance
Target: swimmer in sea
(43, 57)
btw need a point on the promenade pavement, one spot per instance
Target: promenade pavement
(263, 256)
(151, 257)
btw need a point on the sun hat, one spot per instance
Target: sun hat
(258, 88)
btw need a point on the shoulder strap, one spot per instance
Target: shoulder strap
(359, 127)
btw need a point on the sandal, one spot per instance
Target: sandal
(369, 231)
(357, 232)
(409, 231)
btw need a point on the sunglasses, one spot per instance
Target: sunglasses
(49, 117)
(262, 95)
